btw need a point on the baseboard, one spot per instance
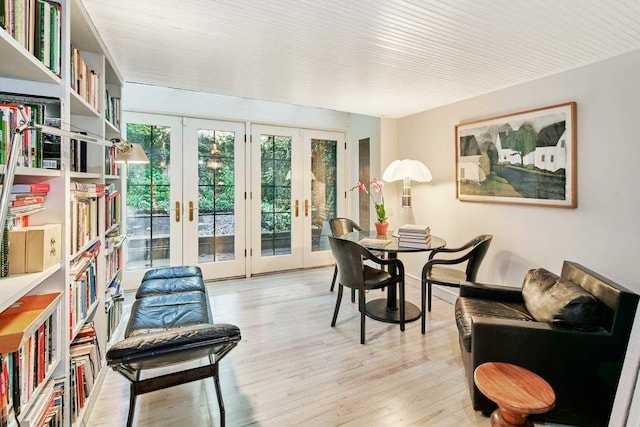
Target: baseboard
(444, 293)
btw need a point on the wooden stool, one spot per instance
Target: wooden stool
(518, 392)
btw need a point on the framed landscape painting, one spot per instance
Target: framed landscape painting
(522, 158)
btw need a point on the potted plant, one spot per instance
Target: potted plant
(376, 185)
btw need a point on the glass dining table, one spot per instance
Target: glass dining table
(387, 309)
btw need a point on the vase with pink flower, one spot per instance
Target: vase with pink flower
(376, 187)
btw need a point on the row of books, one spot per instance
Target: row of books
(110, 165)
(414, 236)
(86, 363)
(112, 213)
(84, 214)
(112, 109)
(36, 26)
(78, 155)
(47, 409)
(114, 255)
(82, 296)
(30, 152)
(84, 80)
(113, 306)
(22, 371)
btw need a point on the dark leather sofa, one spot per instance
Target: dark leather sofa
(577, 343)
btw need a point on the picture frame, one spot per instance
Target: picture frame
(526, 158)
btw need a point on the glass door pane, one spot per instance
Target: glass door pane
(147, 212)
(213, 197)
(275, 201)
(153, 195)
(323, 187)
(216, 195)
(324, 197)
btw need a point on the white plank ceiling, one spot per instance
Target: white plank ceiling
(378, 57)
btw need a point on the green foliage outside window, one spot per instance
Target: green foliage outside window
(148, 184)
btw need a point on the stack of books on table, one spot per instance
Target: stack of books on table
(414, 236)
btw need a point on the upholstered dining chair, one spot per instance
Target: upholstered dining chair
(433, 272)
(354, 274)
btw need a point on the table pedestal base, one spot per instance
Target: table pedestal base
(502, 418)
(378, 310)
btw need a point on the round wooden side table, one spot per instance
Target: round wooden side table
(517, 391)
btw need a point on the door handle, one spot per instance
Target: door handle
(177, 211)
(306, 207)
(296, 208)
(191, 211)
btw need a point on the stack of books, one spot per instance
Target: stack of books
(26, 199)
(414, 236)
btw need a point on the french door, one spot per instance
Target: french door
(187, 205)
(297, 183)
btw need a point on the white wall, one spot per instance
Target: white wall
(162, 100)
(603, 233)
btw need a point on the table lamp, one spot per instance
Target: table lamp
(406, 170)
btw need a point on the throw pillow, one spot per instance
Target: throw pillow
(552, 299)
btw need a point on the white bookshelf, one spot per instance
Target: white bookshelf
(23, 74)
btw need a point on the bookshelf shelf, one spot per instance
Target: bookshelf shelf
(23, 317)
(80, 107)
(85, 175)
(24, 171)
(110, 128)
(16, 286)
(90, 312)
(18, 63)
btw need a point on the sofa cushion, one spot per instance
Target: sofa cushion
(165, 312)
(171, 285)
(466, 308)
(552, 299)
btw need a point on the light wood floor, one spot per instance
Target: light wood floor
(292, 369)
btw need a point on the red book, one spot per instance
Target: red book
(80, 384)
(42, 366)
(16, 196)
(27, 201)
(3, 389)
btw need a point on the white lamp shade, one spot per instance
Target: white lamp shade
(134, 153)
(415, 170)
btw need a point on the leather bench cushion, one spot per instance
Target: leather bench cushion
(164, 312)
(466, 308)
(552, 299)
(169, 286)
(172, 272)
(179, 345)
